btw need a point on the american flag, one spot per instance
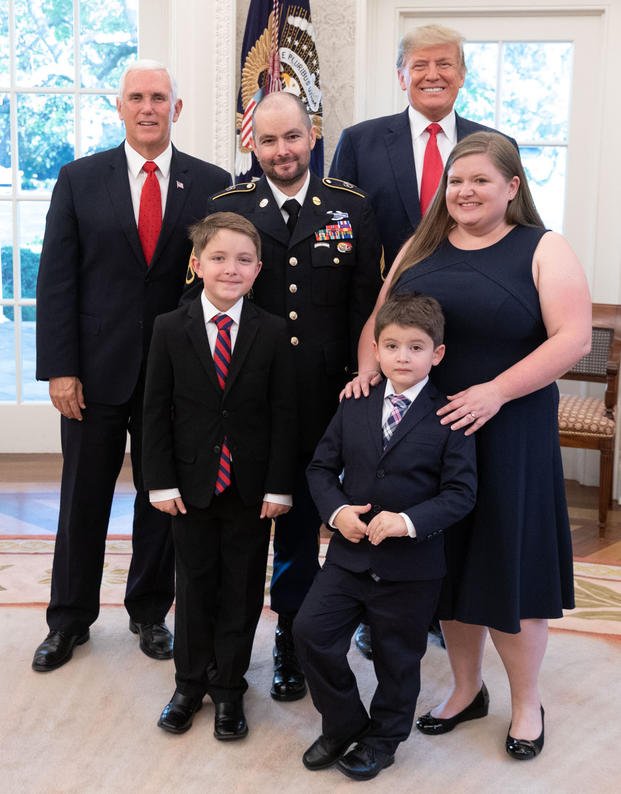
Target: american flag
(278, 54)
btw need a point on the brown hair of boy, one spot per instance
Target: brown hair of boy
(203, 231)
(412, 310)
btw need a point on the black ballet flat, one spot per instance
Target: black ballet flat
(525, 749)
(433, 726)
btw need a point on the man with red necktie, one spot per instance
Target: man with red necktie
(398, 160)
(114, 254)
(386, 157)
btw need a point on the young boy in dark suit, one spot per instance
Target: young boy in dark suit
(219, 449)
(405, 479)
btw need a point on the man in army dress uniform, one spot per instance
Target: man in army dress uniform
(321, 271)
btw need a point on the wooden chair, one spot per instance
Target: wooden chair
(590, 422)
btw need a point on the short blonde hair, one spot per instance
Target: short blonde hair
(430, 36)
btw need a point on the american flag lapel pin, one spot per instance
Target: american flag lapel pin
(180, 185)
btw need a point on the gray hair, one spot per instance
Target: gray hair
(430, 36)
(148, 65)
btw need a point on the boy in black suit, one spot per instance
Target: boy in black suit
(406, 479)
(219, 449)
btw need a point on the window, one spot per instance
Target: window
(523, 87)
(60, 64)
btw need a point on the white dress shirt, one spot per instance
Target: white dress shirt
(137, 176)
(446, 139)
(281, 197)
(411, 394)
(209, 311)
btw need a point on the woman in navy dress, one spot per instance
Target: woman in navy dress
(518, 315)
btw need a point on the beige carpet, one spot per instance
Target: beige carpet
(26, 567)
(90, 726)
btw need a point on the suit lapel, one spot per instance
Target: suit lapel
(401, 155)
(197, 333)
(121, 200)
(426, 402)
(246, 333)
(179, 185)
(375, 404)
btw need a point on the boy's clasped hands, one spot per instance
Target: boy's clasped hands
(383, 525)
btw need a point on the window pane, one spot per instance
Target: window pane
(8, 390)
(100, 125)
(4, 43)
(536, 86)
(545, 168)
(477, 99)
(45, 138)
(6, 251)
(31, 227)
(44, 44)
(32, 390)
(108, 40)
(5, 145)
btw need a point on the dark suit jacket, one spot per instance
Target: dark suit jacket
(96, 297)
(377, 156)
(324, 294)
(187, 415)
(427, 471)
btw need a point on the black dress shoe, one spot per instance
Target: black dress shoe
(155, 639)
(525, 749)
(362, 638)
(288, 682)
(56, 649)
(324, 752)
(230, 721)
(177, 716)
(436, 725)
(364, 762)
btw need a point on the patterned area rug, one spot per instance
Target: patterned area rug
(26, 567)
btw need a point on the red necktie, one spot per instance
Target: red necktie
(432, 168)
(150, 213)
(222, 359)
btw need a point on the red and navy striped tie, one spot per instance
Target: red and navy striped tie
(222, 359)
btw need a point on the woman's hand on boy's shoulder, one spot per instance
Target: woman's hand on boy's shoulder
(360, 386)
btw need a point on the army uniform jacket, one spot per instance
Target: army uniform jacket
(323, 279)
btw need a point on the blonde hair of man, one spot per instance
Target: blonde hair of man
(430, 36)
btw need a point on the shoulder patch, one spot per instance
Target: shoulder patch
(339, 184)
(242, 187)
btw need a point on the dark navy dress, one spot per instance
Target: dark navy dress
(512, 558)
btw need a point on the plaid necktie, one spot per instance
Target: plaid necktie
(400, 404)
(432, 168)
(150, 212)
(222, 359)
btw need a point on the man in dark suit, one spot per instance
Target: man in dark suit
(385, 156)
(113, 258)
(389, 478)
(219, 453)
(321, 272)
